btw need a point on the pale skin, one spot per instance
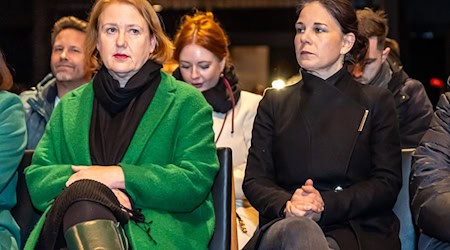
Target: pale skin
(306, 201)
(124, 44)
(320, 47)
(111, 176)
(67, 61)
(366, 71)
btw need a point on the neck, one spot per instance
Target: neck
(122, 78)
(325, 74)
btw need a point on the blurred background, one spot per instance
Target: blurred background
(261, 34)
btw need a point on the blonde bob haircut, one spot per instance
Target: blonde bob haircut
(163, 48)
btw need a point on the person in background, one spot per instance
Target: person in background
(382, 68)
(324, 167)
(430, 181)
(69, 71)
(201, 49)
(128, 160)
(13, 139)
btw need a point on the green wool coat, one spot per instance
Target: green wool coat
(169, 166)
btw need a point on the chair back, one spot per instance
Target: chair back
(402, 209)
(23, 212)
(222, 198)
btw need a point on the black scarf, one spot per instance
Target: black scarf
(218, 96)
(118, 111)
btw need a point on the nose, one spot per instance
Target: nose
(305, 37)
(120, 41)
(63, 55)
(357, 71)
(194, 73)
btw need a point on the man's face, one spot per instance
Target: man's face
(365, 71)
(67, 60)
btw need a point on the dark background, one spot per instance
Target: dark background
(422, 29)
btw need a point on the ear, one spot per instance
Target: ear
(385, 54)
(153, 43)
(222, 64)
(347, 43)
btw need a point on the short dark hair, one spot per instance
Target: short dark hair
(373, 23)
(68, 22)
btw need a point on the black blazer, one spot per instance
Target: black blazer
(344, 137)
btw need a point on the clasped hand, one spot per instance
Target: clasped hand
(111, 176)
(306, 201)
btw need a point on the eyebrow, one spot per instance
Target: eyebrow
(127, 25)
(181, 61)
(316, 23)
(369, 60)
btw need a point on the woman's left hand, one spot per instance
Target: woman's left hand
(307, 198)
(122, 198)
(111, 176)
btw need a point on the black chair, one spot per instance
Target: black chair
(23, 212)
(223, 202)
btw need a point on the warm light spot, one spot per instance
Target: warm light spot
(278, 84)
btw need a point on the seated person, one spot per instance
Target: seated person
(69, 71)
(128, 160)
(381, 67)
(430, 181)
(12, 145)
(201, 48)
(324, 167)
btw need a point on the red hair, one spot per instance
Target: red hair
(201, 29)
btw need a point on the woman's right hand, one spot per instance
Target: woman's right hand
(307, 198)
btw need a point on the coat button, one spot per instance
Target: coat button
(338, 189)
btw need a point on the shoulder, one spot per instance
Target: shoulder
(281, 93)
(412, 85)
(374, 94)
(78, 92)
(11, 110)
(73, 100)
(249, 99)
(183, 91)
(40, 91)
(8, 100)
(28, 94)
(444, 102)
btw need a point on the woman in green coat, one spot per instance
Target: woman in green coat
(131, 151)
(12, 145)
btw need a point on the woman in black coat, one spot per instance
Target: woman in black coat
(324, 168)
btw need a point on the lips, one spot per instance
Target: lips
(63, 67)
(197, 85)
(305, 53)
(120, 56)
